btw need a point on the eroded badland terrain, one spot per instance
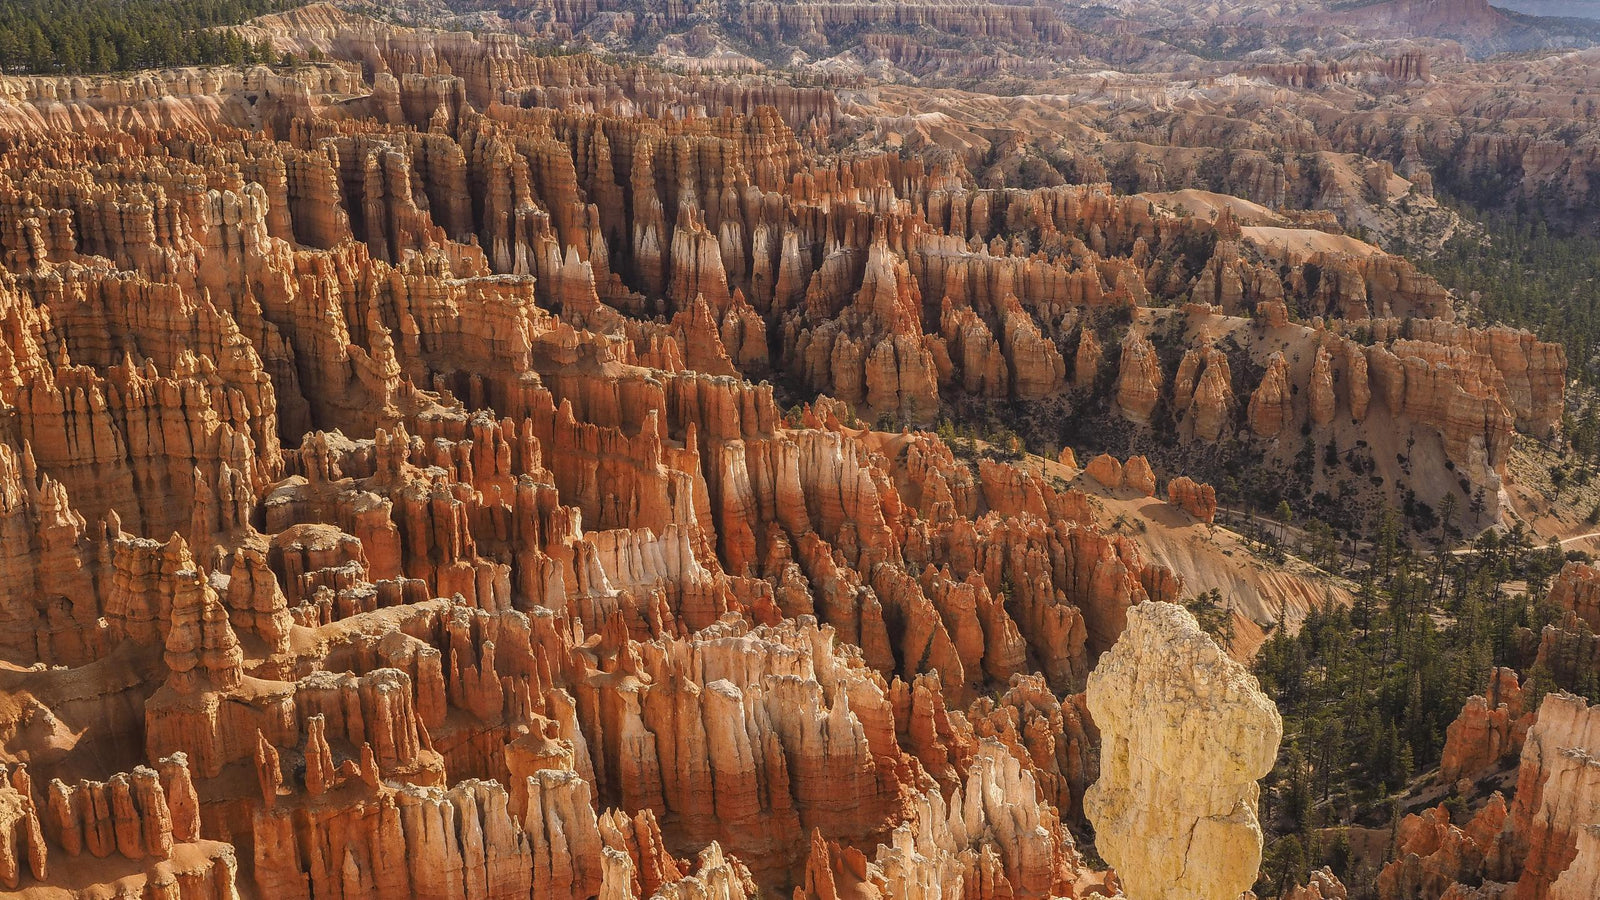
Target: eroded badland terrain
(821, 450)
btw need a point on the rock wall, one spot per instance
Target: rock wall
(1185, 734)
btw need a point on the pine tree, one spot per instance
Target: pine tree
(111, 35)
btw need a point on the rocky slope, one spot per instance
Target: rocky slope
(440, 471)
(446, 471)
(938, 35)
(1538, 750)
(896, 310)
(1539, 845)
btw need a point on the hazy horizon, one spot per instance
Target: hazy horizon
(1571, 9)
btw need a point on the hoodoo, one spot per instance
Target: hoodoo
(602, 450)
(1185, 734)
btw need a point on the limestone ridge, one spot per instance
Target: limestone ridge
(1185, 734)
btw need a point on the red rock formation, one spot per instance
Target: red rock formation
(1107, 470)
(1489, 729)
(1271, 408)
(1086, 363)
(1137, 476)
(1196, 499)
(1322, 401)
(873, 353)
(1528, 848)
(1433, 856)
(142, 825)
(1203, 387)
(1556, 787)
(50, 562)
(1540, 846)
(1138, 378)
(1323, 885)
(22, 845)
(1577, 588)
(386, 487)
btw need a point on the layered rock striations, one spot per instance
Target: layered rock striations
(1490, 728)
(1185, 734)
(441, 470)
(358, 510)
(1539, 844)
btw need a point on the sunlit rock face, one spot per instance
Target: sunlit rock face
(1185, 734)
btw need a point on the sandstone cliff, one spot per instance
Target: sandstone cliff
(1185, 734)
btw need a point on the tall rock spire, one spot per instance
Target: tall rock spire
(1185, 734)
